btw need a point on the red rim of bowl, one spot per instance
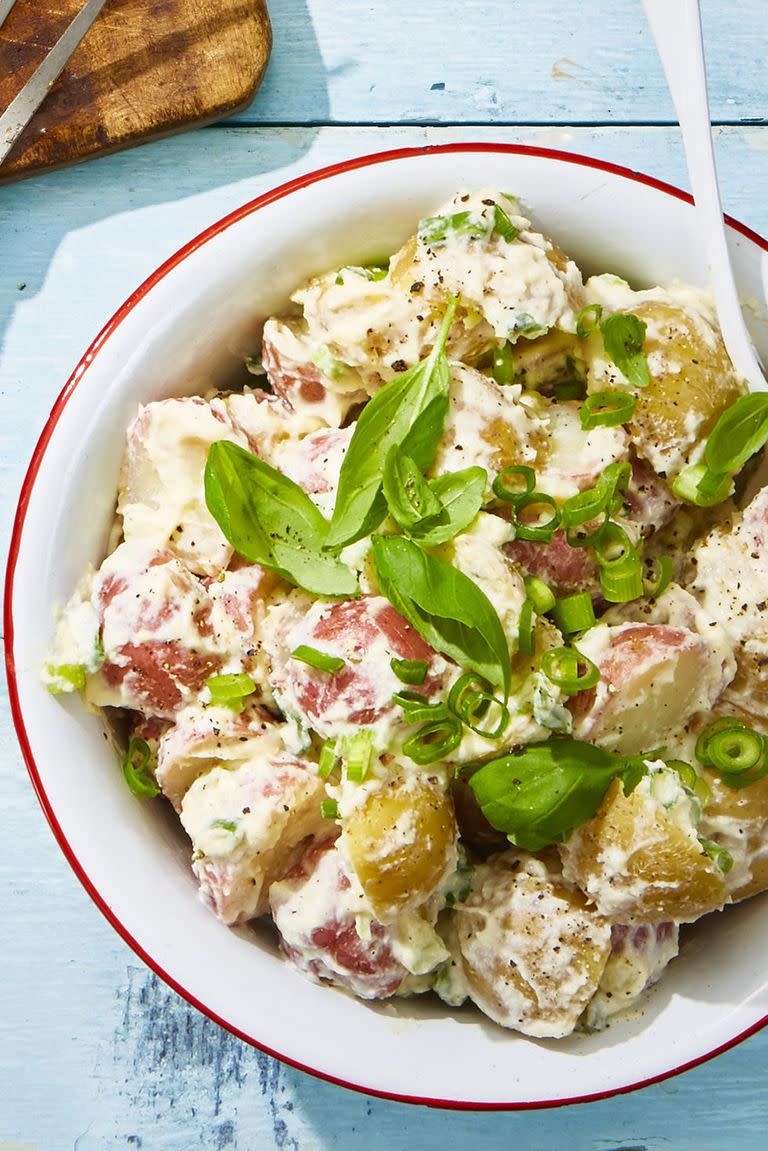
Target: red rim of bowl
(262, 201)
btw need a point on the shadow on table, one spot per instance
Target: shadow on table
(38, 214)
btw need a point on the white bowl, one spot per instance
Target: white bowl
(185, 328)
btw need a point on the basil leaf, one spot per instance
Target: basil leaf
(450, 611)
(408, 412)
(461, 495)
(623, 335)
(741, 431)
(407, 493)
(547, 790)
(271, 521)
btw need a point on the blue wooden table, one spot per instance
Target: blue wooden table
(95, 1053)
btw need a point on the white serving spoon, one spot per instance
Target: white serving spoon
(676, 27)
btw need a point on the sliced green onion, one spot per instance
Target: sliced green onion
(329, 757)
(574, 613)
(525, 325)
(658, 575)
(690, 779)
(698, 485)
(720, 855)
(367, 271)
(574, 388)
(410, 670)
(329, 809)
(723, 723)
(525, 633)
(358, 753)
(612, 545)
(230, 690)
(737, 752)
(588, 319)
(434, 230)
(568, 669)
(70, 675)
(607, 409)
(541, 596)
(136, 770)
(503, 366)
(328, 364)
(622, 582)
(604, 497)
(514, 483)
(320, 660)
(502, 225)
(434, 740)
(418, 708)
(537, 530)
(471, 699)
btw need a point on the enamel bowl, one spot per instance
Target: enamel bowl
(185, 329)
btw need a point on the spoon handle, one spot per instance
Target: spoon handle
(676, 29)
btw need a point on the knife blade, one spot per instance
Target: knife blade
(21, 110)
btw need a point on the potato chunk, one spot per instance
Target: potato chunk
(248, 826)
(640, 860)
(692, 382)
(401, 843)
(653, 676)
(531, 949)
(639, 957)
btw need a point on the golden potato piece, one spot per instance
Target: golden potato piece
(639, 859)
(532, 951)
(692, 382)
(554, 358)
(401, 843)
(737, 819)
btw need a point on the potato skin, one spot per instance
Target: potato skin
(639, 866)
(705, 384)
(401, 844)
(531, 949)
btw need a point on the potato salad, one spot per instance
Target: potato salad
(446, 635)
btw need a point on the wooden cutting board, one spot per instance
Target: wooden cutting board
(145, 69)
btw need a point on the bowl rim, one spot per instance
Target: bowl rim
(279, 192)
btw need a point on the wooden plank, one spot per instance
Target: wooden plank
(96, 1054)
(142, 71)
(525, 62)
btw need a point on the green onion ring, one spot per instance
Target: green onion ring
(434, 740)
(513, 495)
(568, 669)
(574, 613)
(607, 409)
(538, 532)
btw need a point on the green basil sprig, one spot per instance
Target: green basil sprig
(408, 495)
(540, 795)
(740, 431)
(408, 412)
(623, 336)
(271, 521)
(450, 611)
(431, 511)
(461, 496)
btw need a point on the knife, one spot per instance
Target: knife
(21, 110)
